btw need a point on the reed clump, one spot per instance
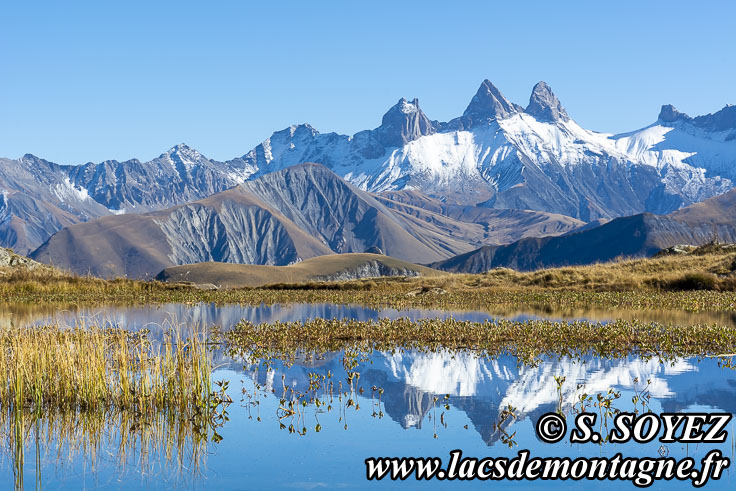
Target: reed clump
(85, 388)
(50, 368)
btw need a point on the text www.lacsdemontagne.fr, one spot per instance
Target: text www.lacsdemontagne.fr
(641, 471)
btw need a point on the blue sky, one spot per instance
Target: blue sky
(89, 81)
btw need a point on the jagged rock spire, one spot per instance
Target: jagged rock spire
(544, 105)
(669, 114)
(488, 104)
(403, 123)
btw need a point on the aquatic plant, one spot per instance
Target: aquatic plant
(78, 386)
(527, 341)
(51, 368)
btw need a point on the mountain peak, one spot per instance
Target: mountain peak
(669, 114)
(182, 150)
(406, 107)
(402, 123)
(544, 105)
(181, 147)
(488, 104)
(303, 130)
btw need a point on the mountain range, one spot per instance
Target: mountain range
(496, 155)
(283, 218)
(307, 210)
(501, 156)
(38, 198)
(418, 189)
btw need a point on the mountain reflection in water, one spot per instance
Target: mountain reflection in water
(483, 388)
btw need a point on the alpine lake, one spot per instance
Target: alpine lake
(308, 418)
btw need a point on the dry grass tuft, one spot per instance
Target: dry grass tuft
(47, 367)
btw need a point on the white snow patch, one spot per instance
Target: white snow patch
(65, 190)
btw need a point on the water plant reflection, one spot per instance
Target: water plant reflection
(492, 395)
(497, 373)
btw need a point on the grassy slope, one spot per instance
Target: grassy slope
(707, 267)
(241, 275)
(718, 210)
(663, 283)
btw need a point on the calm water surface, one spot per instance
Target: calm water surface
(395, 408)
(226, 316)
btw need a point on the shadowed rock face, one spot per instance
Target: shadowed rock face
(488, 103)
(723, 120)
(403, 123)
(544, 105)
(669, 114)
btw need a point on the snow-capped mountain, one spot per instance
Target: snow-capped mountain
(691, 153)
(503, 156)
(496, 155)
(178, 175)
